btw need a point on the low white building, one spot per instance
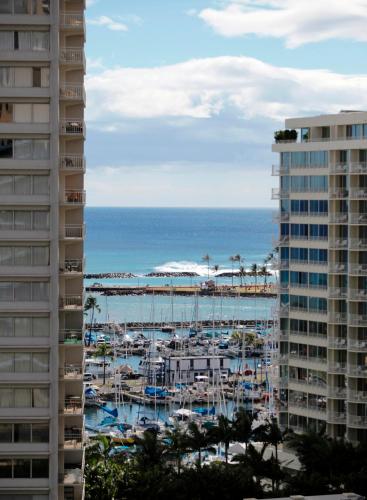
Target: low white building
(186, 369)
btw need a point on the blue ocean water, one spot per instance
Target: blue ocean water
(143, 240)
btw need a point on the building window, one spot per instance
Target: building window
(21, 220)
(25, 40)
(24, 327)
(12, 468)
(30, 7)
(24, 397)
(24, 291)
(24, 433)
(24, 362)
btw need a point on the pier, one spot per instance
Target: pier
(185, 290)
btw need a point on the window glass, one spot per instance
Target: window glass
(5, 7)
(23, 113)
(25, 40)
(6, 433)
(6, 256)
(40, 220)
(5, 468)
(41, 113)
(40, 433)
(6, 148)
(6, 184)
(6, 112)
(41, 327)
(40, 398)
(22, 184)
(40, 184)
(40, 256)
(40, 467)
(6, 327)
(6, 362)
(22, 397)
(40, 362)
(40, 40)
(23, 77)
(22, 327)
(22, 467)
(22, 220)
(20, 6)
(22, 433)
(22, 291)
(22, 256)
(45, 77)
(22, 362)
(6, 397)
(6, 291)
(36, 77)
(6, 40)
(40, 291)
(41, 149)
(23, 149)
(5, 77)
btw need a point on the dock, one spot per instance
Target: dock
(185, 290)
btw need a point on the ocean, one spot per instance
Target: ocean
(145, 240)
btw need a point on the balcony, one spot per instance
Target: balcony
(279, 170)
(337, 392)
(283, 359)
(358, 193)
(338, 267)
(277, 194)
(357, 345)
(338, 243)
(358, 269)
(337, 293)
(337, 367)
(72, 162)
(280, 217)
(357, 370)
(283, 336)
(284, 310)
(338, 318)
(283, 264)
(357, 319)
(337, 343)
(358, 218)
(72, 56)
(72, 266)
(71, 337)
(74, 197)
(283, 240)
(283, 382)
(73, 405)
(357, 396)
(336, 417)
(72, 127)
(358, 421)
(73, 231)
(338, 193)
(72, 21)
(338, 218)
(358, 168)
(71, 302)
(71, 372)
(73, 439)
(72, 92)
(73, 478)
(339, 168)
(358, 243)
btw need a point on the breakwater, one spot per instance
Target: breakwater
(229, 323)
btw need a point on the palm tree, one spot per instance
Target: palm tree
(103, 351)
(198, 440)
(92, 306)
(254, 272)
(242, 426)
(177, 445)
(264, 272)
(206, 258)
(150, 452)
(232, 259)
(223, 432)
(216, 269)
(238, 259)
(242, 273)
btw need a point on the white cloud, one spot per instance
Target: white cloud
(109, 23)
(297, 21)
(202, 88)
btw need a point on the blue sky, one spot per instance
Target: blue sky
(184, 95)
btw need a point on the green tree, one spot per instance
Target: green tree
(242, 426)
(255, 272)
(264, 272)
(91, 306)
(177, 445)
(242, 273)
(103, 351)
(232, 259)
(151, 452)
(198, 440)
(216, 269)
(222, 433)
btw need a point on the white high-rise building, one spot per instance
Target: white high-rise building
(42, 167)
(323, 273)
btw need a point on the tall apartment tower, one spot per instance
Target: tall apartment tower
(42, 166)
(323, 274)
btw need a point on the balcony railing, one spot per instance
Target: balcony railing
(338, 193)
(71, 372)
(73, 438)
(337, 392)
(74, 197)
(336, 417)
(280, 216)
(74, 231)
(337, 343)
(357, 420)
(358, 319)
(336, 243)
(357, 218)
(358, 269)
(71, 336)
(72, 20)
(71, 301)
(357, 294)
(358, 168)
(73, 405)
(357, 345)
(338, 267)
(358, 193)
(337, 367)
(339, 168)
(357, 396)
(73, 266)
(72, 126)
(338, 218)
(74, 56)
(358, 243)
(72, 162)
(284, 310)
(357, 370)
(337, 317)
(337, 293)
(277, 193)
(71, 91)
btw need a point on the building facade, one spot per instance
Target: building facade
(187, 369)
(42, 167)
(323, 274)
